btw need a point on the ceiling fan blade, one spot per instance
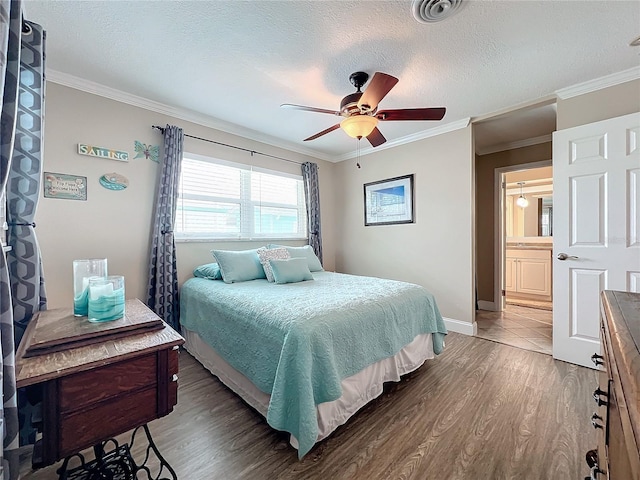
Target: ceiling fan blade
(324, 132)
(376, 138)
(310, 109)
(412, 114)
(378, 87)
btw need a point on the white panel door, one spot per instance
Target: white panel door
(596, 228)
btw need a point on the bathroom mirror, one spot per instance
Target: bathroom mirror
(534, 220)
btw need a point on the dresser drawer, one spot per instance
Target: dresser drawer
(86, 388)
(105, 420)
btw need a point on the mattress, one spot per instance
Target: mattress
(357, 390)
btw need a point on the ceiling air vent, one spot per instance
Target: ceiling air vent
(431, 11)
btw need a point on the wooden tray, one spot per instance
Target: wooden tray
(59, 329)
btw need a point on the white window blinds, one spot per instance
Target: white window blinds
(223, 200)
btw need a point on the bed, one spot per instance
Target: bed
(308, 355)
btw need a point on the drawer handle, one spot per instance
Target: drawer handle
(597, 394)
(175, 347)
(594, 421)
(597, 359)
(174, 378)
(594, 473)
(592, 458)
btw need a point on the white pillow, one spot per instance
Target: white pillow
(265, 255)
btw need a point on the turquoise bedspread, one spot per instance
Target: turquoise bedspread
(297, 341)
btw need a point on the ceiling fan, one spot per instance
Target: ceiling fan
(361, 113)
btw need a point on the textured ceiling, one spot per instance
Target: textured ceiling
(237, 61)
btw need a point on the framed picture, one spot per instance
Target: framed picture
(68, 187)
(389, 202)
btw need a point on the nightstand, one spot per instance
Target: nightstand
(97, 381)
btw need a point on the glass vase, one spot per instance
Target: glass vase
(106, 298)
(82, 271)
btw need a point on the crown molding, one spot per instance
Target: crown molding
(599, 83)
(550, 99)
(183, 114)
(527, 142)
(414, 137)
(234, 129)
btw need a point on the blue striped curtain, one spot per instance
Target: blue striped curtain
(312, 197)
(162, 289)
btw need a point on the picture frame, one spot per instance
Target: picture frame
(389, 202)
(65, 186)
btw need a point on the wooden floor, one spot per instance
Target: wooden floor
(481, 410)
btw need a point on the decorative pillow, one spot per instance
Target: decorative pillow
(210, 271)
(302, 252)
(239, 266)
(265, 255)
(292, 270)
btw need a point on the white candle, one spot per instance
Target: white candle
(97, 291)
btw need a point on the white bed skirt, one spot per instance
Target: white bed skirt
(357, 390)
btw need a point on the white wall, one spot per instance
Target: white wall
(116, 224)
(436, 251)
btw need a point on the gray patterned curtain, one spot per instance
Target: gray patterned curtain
(10, 32)
(23, 186)
(312, 197)
(162, 291)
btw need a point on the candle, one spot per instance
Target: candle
(82, 271)
(106, 298)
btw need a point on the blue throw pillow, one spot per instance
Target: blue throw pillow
(210, 271)
(303, 252)
(239, 266)
(292, 270)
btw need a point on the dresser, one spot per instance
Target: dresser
(100, 381)
(616, 418)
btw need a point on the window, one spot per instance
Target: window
(224, 200)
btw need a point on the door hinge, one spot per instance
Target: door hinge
(504, 184)
(504, 293)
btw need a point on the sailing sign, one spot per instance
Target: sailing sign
(102, 152)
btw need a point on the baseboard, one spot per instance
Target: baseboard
(459, 326)
(485, 305)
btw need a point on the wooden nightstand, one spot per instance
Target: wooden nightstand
(101, 380)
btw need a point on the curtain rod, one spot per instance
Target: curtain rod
(252, 152)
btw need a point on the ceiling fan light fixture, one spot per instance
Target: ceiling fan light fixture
(359, 126)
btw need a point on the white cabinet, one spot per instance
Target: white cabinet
(528, 273)
(510, 274)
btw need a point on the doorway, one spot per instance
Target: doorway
(507, 142)
(523, 274)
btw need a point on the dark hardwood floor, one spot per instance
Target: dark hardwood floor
(481, 410)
